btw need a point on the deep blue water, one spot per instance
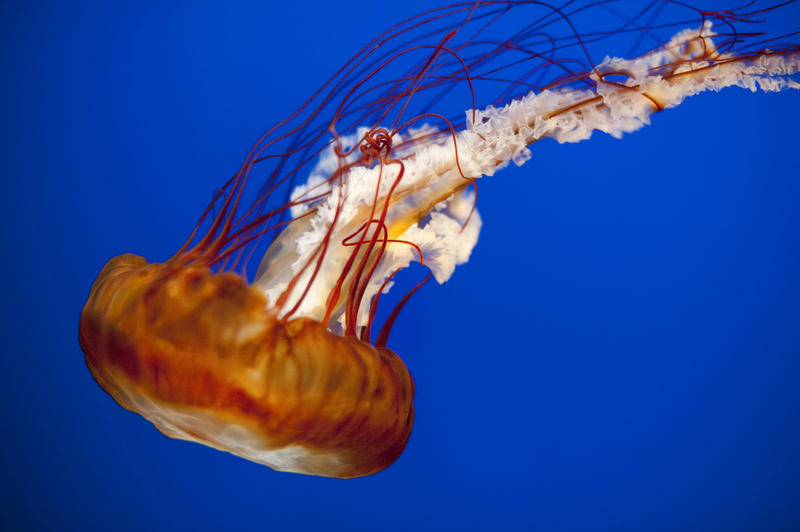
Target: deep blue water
(622, 352)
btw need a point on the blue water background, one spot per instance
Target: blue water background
(622, 352)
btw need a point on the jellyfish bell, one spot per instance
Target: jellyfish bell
(290, 370)
(205, 358)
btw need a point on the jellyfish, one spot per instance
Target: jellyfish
(282, 360)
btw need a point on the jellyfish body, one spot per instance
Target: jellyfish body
(204, 358)
(285, 371)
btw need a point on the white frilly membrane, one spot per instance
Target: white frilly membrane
(431, 205)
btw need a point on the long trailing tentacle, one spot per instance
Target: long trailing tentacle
(409, 87)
